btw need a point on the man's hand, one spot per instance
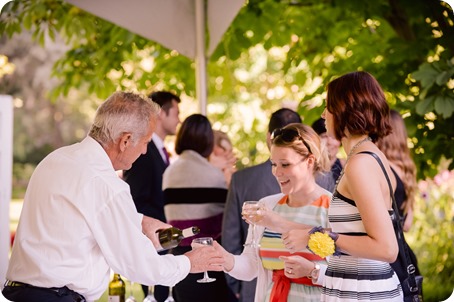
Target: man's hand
(150, 226)
(205, 258)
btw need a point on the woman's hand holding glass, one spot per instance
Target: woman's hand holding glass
(252, 213)
(272, 220)
(275, 222)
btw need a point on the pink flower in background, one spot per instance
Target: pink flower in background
(441, 177)
(423, 187)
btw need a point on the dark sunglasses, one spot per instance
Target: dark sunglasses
(288, 135)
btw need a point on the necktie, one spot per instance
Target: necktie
(167, 155)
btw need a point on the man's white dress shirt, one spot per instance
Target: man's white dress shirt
(79, 220)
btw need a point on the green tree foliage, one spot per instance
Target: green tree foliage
(407, 44)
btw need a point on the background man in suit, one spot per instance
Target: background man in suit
(145, 175)
(251, 183)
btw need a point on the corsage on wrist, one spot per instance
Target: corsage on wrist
(322, 243)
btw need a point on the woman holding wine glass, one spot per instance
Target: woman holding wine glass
(297, 155)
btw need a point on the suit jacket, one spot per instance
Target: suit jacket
(251, 183)
(145, 181)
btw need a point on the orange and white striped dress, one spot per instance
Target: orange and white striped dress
(271, 245)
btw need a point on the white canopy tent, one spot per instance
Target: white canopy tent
(180, 25)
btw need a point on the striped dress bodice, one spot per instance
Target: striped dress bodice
(351, 278)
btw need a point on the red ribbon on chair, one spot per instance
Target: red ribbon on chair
(281, 286)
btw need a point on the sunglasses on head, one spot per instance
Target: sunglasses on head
(288, 135)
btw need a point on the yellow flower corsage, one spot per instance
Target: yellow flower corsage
(321, 243)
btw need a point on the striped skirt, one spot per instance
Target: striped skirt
(356, 279)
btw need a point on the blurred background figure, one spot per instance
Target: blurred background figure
(395, 147)
(145, 175)
(195, 193)
(333, 146)
(222, 156)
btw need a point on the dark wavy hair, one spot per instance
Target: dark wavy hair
(358, 104)
(195, 134)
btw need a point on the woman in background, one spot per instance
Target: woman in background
(222, 156)
(395, 147)
(194, 195)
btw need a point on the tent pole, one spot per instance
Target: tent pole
(201, 76)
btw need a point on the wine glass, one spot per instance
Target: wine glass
(251, 210)
(131, 296)
(197, 243)
(150, 297)
(170, 297)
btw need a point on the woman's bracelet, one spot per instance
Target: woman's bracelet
(322, 243)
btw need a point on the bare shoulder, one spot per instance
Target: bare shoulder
(363, 167)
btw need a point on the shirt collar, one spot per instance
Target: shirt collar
(157, 141)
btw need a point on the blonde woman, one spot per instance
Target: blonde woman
(297, 156)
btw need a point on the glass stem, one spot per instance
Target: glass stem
(253, 235)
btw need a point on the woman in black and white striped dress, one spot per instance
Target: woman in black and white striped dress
(357, 114)
(361, 237)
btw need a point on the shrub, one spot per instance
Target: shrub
(432, 235)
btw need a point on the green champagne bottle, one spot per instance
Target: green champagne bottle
(117, 289)
(171, 237)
